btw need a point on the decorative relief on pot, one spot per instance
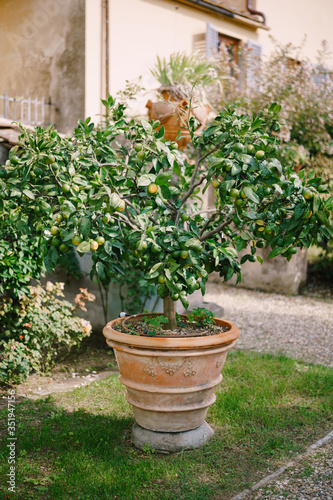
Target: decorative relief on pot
(151, 370)
(220, 362)
(169, 366)
(190, 369)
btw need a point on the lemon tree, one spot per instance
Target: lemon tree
(123, 193)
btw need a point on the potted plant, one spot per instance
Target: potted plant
(183, 80)
(132, 199)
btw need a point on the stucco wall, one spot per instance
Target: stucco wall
(142, 29)
(156, 27)
(42, 53)
(290, 21)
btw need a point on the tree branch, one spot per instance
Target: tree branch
(211, 218)
(193, 183)
(218, 229)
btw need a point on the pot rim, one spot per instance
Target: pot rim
(171, 342)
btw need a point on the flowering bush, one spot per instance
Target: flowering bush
(303, 89)
(34, 331)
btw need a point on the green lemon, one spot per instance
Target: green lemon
(14, 160)
(93, 245)
(100, 240)
(121, 206)
(260, 155)
(308, 195)
(238, 147)
(152, 189)
(76, 240)
(49, 159)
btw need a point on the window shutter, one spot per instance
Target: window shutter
(253, 66)
(212, 40)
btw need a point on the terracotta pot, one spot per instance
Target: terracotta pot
(170, 381)
(172, 111)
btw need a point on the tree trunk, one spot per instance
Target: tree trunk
(170, 313)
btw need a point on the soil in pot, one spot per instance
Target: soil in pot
(151, 325)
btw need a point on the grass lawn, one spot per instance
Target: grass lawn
(77, 445)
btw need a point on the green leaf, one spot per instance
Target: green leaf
(108, 247)
(316, 203)
(84, 227)
(298, 212)
(235, 169)
(167, 274)
(100, 270)
(184, 301)
(146, 125)
(84, 247)
(246, 257)
(250, 194)
(247, 159)
(146, 179)
(29, 194)
(275, 252)
(245, 236)
(156, 267)
(68, 236)
(163, 179)
(22, 226)
(159, 202)
(274, 162)
(166, 192)
(211, 130)
(176, 170)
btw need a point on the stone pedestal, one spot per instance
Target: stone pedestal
(171, 442)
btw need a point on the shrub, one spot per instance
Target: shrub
(21, 259)
(38, 328)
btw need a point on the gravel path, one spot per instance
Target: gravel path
(309, 477)
(298, 326)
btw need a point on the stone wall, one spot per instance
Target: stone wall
(274, 275)
(42, 54)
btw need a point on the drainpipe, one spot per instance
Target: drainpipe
(107, 85)
(255, 12)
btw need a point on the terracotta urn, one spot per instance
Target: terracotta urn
(173, 111)
(170, 383)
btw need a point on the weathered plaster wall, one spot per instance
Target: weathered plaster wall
(291, 22)
(42, 53)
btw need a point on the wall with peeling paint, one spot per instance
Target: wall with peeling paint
(42, 53)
